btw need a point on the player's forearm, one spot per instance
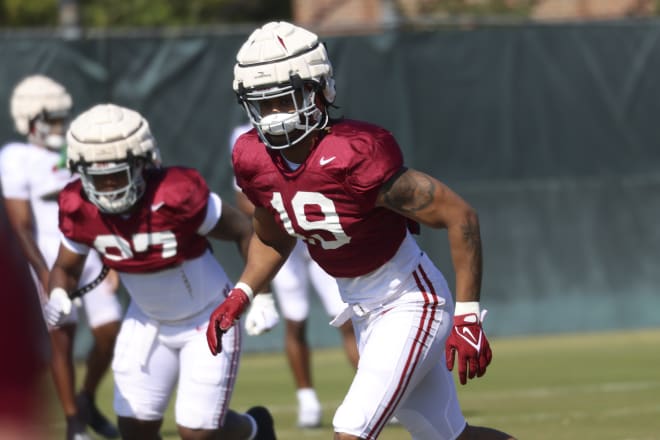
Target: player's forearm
(244, 244)
(466, 251)
(64, 278)
(263, 263)
(33, 255)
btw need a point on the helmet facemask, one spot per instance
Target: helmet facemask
(48, 129)
(114, 187)
(282, 129)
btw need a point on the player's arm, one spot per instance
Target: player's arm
(244, 204)
(67, 269)
(19, 214)
(262, 315)
(269, 248)
(426, 200)
(235, 226)
(64, 277)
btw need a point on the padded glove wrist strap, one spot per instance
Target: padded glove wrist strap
(245, 288)
(467, 307)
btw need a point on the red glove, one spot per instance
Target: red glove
(223, 318)
(468, 340)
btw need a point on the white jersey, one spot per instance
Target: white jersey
(33, 173)
(180, 293)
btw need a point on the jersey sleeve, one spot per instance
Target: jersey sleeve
(378, 157)
(70, 204)
(213, 214)
(12, 173)
(245, 162)
(74, 246)
(185, 195)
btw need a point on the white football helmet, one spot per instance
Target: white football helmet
(35, 103)
(110, 146)
(281, 60)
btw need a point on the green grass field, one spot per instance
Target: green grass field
(600, 386)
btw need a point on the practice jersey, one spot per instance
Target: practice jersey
(37, 174)
(329, 201)
(159, 233)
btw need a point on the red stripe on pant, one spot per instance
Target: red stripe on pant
(233, 373)
(425, 324)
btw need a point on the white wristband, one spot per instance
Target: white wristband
(467, 307)
(245, 288)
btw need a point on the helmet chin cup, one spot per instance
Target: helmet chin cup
(279, 124)
(117, 203)
(55, 142)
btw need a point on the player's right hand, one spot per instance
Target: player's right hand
(223, 318)
(58, 307)
(262, 315)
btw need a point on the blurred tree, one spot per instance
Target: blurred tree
(18, 13)
(114, 13)
(520, 8)
(111, 13)
(527, 8)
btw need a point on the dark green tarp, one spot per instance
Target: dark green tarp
(550, 131)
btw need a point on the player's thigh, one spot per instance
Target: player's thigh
(102, 305)
(145, 370)
(206, 382)
(399, 347)
(432, 410)
(291, 284)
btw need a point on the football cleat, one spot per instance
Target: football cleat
(91, 415)
(75, 429)
(265, 424)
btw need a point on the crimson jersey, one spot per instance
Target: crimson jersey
(161, 231)
(329, 201)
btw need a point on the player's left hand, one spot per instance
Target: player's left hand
(223, 318)
(262, 315)
(58, 307)
(468, 342)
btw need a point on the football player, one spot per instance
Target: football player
(151, 224)
(343, 188)
(32, 174)
(291, 286)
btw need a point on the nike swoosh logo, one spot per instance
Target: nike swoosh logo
(325, 161)
(156, 206)
(471, 338)
(467, 330)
